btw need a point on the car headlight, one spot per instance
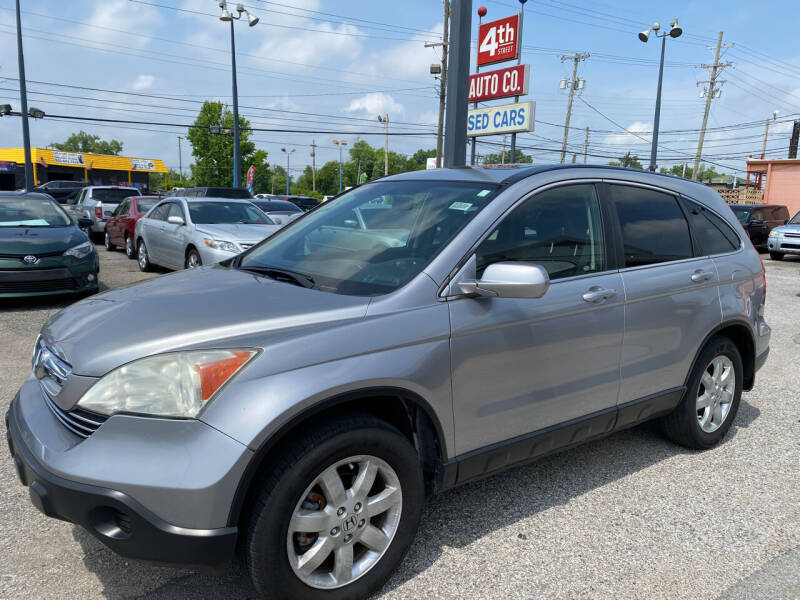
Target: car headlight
(175, 384)
(774, 233)
(80, 251)
(222, 245)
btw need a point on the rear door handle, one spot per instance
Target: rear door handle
(699, 276)
(596, 294)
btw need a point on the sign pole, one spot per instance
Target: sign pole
(455, 146)
(519, 62)
(481, 13)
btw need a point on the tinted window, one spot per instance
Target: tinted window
(226, 212)
(111, 194)
(342, 255)
(122, 208)
(795, 219)
(160, 212)
(654, 229)
(780, 213)
(742, 213)
(559, 229)
(276, 206)
(711, 233)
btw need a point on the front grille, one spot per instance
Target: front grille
(792, 246)
(51, 285)
(792, 235)
(80, 422)
(36, 254)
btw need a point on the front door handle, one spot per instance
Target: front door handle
(596, 294)
(700, 276)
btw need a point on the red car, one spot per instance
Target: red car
(120, 225)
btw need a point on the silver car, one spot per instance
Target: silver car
(186, 233)
(301, 400)
(785, 239)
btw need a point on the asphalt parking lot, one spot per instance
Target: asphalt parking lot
(629, 516)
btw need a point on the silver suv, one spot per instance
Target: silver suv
(97, 202)
(298, 402)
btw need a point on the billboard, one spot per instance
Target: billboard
(504, 118)
(498, 41)
(503, 83)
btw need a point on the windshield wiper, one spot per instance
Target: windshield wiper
(300, 279)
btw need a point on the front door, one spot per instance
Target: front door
(172, 238)
(523, 365)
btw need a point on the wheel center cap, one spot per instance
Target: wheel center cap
(349, 523)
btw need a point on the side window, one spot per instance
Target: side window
(160, 212)
(175, 210)
(711, 233)
(81, 197)
(121, 209)
(559, 229)
(757, 214)
(653, 227)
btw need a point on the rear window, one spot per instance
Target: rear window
(654, 229)
(742, 213)
(112, 194)
(222, 192)
(146, 204)
(209, 213)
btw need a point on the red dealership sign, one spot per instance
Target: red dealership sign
(503, 83)
(498, 41)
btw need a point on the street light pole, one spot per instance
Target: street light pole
(385, 120)
(288, 177)
(674, 32)
(341, 144)
(252, 21)
(23, 99)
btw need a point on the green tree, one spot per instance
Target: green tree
(419, 160)
(86, 142)
(498, 158)
(631, 161)
(213, 152)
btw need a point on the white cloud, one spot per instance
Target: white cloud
(376, 103)
(637, 132)
(407, 60)
(112, 16)
(143, 82)
(290, 50)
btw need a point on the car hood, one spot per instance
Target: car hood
(39, 240)
(794, 228)
(236, 232)
(212, 306)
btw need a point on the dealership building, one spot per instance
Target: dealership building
(93, 169)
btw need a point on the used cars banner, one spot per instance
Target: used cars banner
(504, 118)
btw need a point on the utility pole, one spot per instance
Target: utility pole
(385, 120)
(793, 142)
(586, 146)
(23, 100)
(573, 85)
(457, 101)
(313, 165)
(180, 159)
(442, 81)
(711, 93)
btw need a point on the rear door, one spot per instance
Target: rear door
(672, 301)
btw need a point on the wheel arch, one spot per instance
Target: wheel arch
(402, 408)
(740, 332)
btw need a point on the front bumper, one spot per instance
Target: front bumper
(147, 494)
(50, 276)
(784, 245)
(211, 256)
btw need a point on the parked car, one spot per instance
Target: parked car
(298, 402)
(212, 192)
(785, 239)
(42, 250)
(304, 202)
(759, 220)
(61, 190)
(97, 203)
(184, 233)
(120, 226)
(280, 211)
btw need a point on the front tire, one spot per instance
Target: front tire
(143, 258)
(712, 397)
(776, 255)
(336, 513)
(107, 243)
(193, 260)
(130, 249)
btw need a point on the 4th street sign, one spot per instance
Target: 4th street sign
(505, 118)
(498, 41)
(503, 83)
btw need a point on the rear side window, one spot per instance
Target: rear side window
(653, 227)
(711, 233)
(780, 213)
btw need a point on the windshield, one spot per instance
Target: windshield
(277, 206)
(32, 212)
(795, 220)
(375, 238)
(112, 195)
(742, 212)
(209, 213)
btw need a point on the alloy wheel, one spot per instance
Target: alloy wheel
(193, 261)
(344, 522)
(715, 393)
(129, 247)
(142, 256)
(107, 241)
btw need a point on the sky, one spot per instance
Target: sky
(335, 65)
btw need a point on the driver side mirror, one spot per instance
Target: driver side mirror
(509, 280)
(84, 223)
(175, 220)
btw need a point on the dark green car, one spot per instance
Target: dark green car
(42, 250)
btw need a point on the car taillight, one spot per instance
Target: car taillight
(98, 212)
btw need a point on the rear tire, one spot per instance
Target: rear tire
(359, 542)
(776, 255)
(107, 243)
(130, 249)
(712, 397)
(143, 258)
